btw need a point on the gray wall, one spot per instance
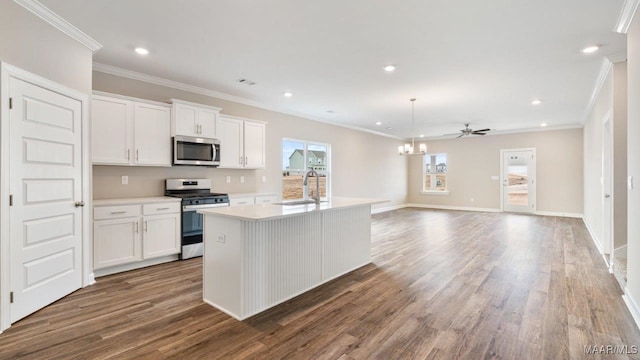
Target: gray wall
(29, 43)
(472, 161)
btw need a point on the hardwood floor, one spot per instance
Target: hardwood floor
(442, 285)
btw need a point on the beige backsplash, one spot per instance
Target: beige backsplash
(149, 181)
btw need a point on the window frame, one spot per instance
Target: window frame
(432, 191)
(305, 160)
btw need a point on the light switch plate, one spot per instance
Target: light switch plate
(125, 180)
(630, 182)
(222, 239)
(241, 179)
(264, 179)
(228, 179)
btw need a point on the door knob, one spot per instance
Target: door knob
(607, 196)
(79, 203)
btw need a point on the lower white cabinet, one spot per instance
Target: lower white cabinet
(251, 199)
(131, 233)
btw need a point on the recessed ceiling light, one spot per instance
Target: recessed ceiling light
(590, 49)
(421, 135)
(389, 68)
(378, 123)
(536, 102)
(142, 51)
(287, 94)
(543, 124)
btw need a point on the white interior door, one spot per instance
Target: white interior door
(607, 181)
(518, 180)
(45, 165)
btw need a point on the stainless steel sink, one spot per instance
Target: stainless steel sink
(298, 202)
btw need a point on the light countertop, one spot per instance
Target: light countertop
(238, 195)
(272, 211)
(140, 200)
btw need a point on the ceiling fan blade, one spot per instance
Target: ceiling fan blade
(450, 134)
(482, 130)
(478, 133)
(461, 135)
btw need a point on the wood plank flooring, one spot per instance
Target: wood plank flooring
(442, 285)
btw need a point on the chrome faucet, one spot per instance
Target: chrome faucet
(305, 183)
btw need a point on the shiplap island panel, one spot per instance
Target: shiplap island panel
(258, 256)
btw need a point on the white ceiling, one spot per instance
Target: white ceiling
(472, 61)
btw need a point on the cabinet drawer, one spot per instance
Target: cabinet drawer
(115, 212)
(161, 208)
(241, 201)
(266, 199)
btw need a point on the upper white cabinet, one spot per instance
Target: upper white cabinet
(190, 119)
(127, 131)
(242, 142)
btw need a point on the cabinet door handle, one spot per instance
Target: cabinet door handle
(118, 212)
(128, 154)
(162, 209)
(137, 155)
(199, 129)
(240, 161)
(246, 160)
(145, 226)
(195, 128)
(137, 230)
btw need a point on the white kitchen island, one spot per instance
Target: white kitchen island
(258, 256)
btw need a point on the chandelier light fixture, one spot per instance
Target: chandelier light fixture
(408, 149)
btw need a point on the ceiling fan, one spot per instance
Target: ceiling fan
(468, 131)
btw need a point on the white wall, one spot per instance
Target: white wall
(593, 129)
(363, 164)
(633, 157)
(620, 154)
(472, 161)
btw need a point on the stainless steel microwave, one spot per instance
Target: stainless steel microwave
(189, 150)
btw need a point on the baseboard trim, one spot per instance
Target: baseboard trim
(91, 279)
(388, 208)
(559, 214)
(620, 252)
(136, 265)
(632, 305)
(458, 208)
(593, 235)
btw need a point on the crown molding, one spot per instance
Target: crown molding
(134, 75)
(626, 15)
(617, 57)
(605, 68)
(59, 23)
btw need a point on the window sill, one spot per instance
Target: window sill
(435, 192)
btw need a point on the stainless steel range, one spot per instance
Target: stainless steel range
(195, 194)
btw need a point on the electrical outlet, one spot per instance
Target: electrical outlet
(222, 239)
(125, 180)
(241, 179)
(264, 179)
(228, 179)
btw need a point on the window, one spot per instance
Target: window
(297, 153)
(435, 174)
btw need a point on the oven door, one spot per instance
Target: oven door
(196, 151)
(192, 226)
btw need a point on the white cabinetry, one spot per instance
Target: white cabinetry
(128, 235)
(242, 142)
(190, 119)
(127, 131)
(251, 199)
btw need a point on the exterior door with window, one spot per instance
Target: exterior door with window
(518, 180)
